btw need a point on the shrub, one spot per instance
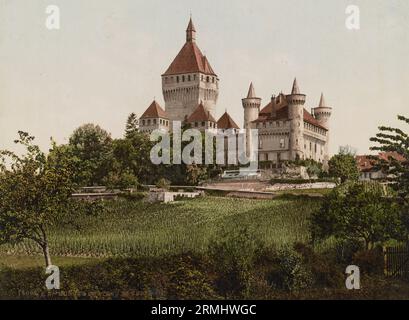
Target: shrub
(163, 184)
(284, 269)
(233, 253)
(324, 271)
(191, 279)
(369, 261)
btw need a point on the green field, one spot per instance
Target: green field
(138, 229)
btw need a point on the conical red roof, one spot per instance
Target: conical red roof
(154, 111)
(226, 122)
(200, 114)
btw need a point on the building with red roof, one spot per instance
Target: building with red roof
(286, 129)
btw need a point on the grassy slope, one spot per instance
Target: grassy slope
(140, 229)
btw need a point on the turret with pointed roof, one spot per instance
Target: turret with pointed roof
(201, 119)
(251, 106)
(154, 118)
(296, 102)
(191, 32)
(189, 79)
(323, 112)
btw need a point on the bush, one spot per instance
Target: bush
(324, 271)
(342, 251)
(191, 279)
(284, 269)
(163, 184)
(233, 253)
(369, 261)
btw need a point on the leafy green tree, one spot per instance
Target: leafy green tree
(195, 174)
(359, 211)
(395, 142)
(91, 146)
(121, 179)
(132, 155)
(132, 125)
(35, 193)
(344, 167)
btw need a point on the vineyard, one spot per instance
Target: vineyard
(134, 228)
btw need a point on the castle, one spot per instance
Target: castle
(287, 131)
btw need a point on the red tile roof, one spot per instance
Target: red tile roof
(226, 122)
(190, 60)
(200, 114)
(154, 111)
(282, 114)
(366, 163)
(310, 119)
(281, 101)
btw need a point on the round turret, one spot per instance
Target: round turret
(323, 113)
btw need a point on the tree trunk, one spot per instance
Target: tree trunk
(44, 246)
(47, 256)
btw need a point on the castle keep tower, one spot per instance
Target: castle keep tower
(189, 81)
(251, 106)
(296, 102)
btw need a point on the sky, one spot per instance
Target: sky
(107, 58)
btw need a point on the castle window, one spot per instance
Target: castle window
(282, 144)
(189, 78)
(203, 123)
(143, 122)
(183, 78)
(154, 121)
(213, 79)
(196, 124)
(194, 77)
(310, 146)
(149, 122)
(177, 79)
(207, 79)
(316, 148)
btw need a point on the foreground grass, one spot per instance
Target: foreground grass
(22, 262)
(138, 229)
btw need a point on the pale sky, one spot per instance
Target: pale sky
(106, 60)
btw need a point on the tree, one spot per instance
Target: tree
(358, 211)
(195, 174)
(132, 155)
(92, 146)
(344, 167)
(35, 193)
(396, 143)
(132, 125)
